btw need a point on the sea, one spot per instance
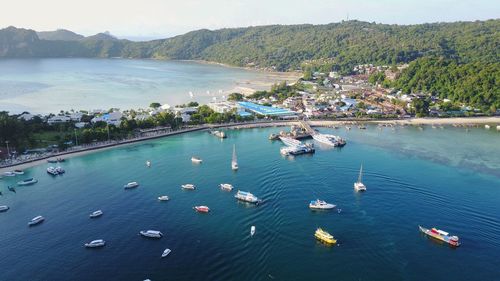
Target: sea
(446, 178)
(50, 85)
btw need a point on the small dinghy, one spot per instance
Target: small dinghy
(96, 214)
(165, 253)
(95, 244)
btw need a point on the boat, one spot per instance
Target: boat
(130, 185)
(297, 150)
(440, 235)
(60, 170)
(165, 253)
(27, 181)
(331, 140)
(188, 186)
(359, 186)
(18, 172)
(4, 208)
(52, 171)
(202, 209)
(321, 205)
(95, 244)
(148, 163)
(10, 188)
(196, 160)
(234, 161)
(96, 214)
(9, 174)
(163, 198)
(151, 233)
(290, 142)
(324, 236)
(247, 197)
(36, 220)
(273, 137)
(219, 134)
(252, 230)
(226, 186)
(60, 160)
(487, 127)
(362, 127)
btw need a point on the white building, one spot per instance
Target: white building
(26, 116)
(222, 107)
(112, 118)
(58, 119)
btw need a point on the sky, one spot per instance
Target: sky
(148, 19)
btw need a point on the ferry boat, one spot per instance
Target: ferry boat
(163, 198)
(331, 140)
(27, 181)
(440, 235)
(359, 186)
(324, 236)
(226, 186)
(52, 171)
(188, 186)
(36, 220)
(96, 214)
(95, 243)
(165, 253)
(290, 142)
(320, 205)
(9, 174)
(252, 230)
(151, 234)
(196, 160)
(202, 209)
(297, 150)
(234, 161)
(131, 185)
(247, 197)
(18, 172)
(4, 208)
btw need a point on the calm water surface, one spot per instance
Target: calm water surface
(444, 178)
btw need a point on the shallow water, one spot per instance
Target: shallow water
(410, 182)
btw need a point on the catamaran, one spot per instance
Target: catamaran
(234, 161)
(359, 186)
(329, 139)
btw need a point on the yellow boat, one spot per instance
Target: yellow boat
(324, 236)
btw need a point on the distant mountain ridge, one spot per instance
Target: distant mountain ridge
(60, 34)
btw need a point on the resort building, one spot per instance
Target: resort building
(222, 107)
(112, 118)
(267, 111)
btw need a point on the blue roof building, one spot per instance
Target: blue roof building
(264, 110)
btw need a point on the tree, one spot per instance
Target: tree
(192, 104)
(155, 105)
(235, 97)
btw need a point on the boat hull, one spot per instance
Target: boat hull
(439, 237)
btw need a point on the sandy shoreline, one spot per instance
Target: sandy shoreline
(493, 121)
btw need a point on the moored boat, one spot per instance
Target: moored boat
(27, 181)
(201, 209)
(165, 253)
(36, 220)
(320, 205)
(226, 186)
(95, 243)
(290, 142)
(151, 233)
(324, 236)
(163, 198)
(96, 214)
(60, 170)
(297, 150)
(4, 208)
(52, 171)
(440, 235)
(18, 172)
(130, 185)
(196, 160)
(9, 174)
(329, 139)
(247, 197)
(188, 186)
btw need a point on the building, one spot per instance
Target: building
(222, 107)
(58, 119)
(26, 116)
(112, 118)
(267, 111)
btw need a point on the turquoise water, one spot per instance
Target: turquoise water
(50, 85)
(408, 184)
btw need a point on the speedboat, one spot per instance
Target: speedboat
(9, 174)
(252, 230)
(151, 233)
(52, 171)
(163, 198)
(324, 236)
(4, 208)
(320, 205)
(441, 235)
(165, 253)
(95, 243)
(60, 170)
(18, 172)
(27, 181)
(226, 186)
(329, 139)
(96, 214)
(359, 186)
(196, 160)
(130, 185)
(202, 209)
(188, 186)
(247, 197)
(36, 220)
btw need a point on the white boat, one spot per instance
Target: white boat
(252, 230)
(165, 253)
(96, 214)
(52, 171)
(234, 161)
(4, 208)
(36, 220)
(329, 139)
(148, 163)
(9, 174)
(131, 185)
(60, 170)
(196, 160)
(27, 181)
(321, 205)
(18, 172)
(226, 186)
(297, 150)
(95, 243)
(359, 186)
(151, 233)
(163, 198)
(188, 186)
(290, 142)
(247, 197)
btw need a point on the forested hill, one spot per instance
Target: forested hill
(283, 47)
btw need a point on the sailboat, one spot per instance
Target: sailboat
(359, 186)
(234, 162)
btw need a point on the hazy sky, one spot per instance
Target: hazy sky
(163, 18)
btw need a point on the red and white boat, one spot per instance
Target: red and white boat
(202, 209)
(441, 235)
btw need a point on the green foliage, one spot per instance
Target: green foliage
(155, 105)
(376, 77)
(235, 97)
